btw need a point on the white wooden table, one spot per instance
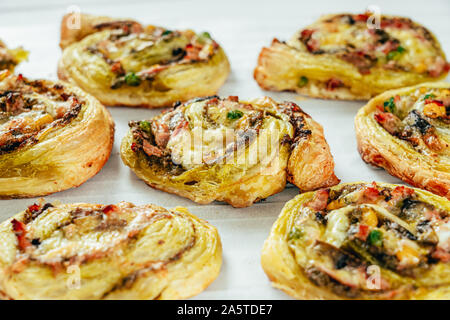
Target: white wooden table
(242, 28)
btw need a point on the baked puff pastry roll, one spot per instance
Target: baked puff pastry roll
(10, 58)
(407, 132)
(92, 251)
(361, 241)
(53, 137)
(122, 62)
(229, 150)
(352, 57)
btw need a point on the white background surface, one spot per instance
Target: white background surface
(242, 28)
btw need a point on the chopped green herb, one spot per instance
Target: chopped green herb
(295, 234)
(205, 35)
(389, 105)
(132, 79)
(395, 54)
(303, 81)
(391, 55)
(429, 96)
(375, 238)
(235, 114)
(145, 126)
(167, 32)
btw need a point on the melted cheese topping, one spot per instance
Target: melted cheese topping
(203, 142)
(117, 53)
(335, 35)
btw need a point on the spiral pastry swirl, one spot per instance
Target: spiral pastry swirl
(122, 62)
(53, 136)
(93, 251)
(352, 57)
(361, 241)
(229, 150)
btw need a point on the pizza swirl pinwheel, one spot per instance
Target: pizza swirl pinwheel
(52, 136)
(229, 150)
(361, 241)
(407, 132)
(122, 62)
(93, 251)
(352, 56)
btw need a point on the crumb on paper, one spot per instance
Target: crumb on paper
(301, 98)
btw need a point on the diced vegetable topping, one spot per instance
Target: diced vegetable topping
(20, 231)
(295, 234)
(205, 35)
(235, 114)
(389, 105)
(363, 232)
(434, 109)
(370, 218)
(429, 96)
(166, 32)
(303, 81)
(132, 79)
(375, 238)
(145, 126)
(336, 204)
(395, 54)
(408, 256)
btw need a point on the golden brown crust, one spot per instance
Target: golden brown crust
(177, 82)
(381, 149)
(409, 172)
(71, 32)
(67, 158)
(240, 194)
(277, 61)
(311, 165)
